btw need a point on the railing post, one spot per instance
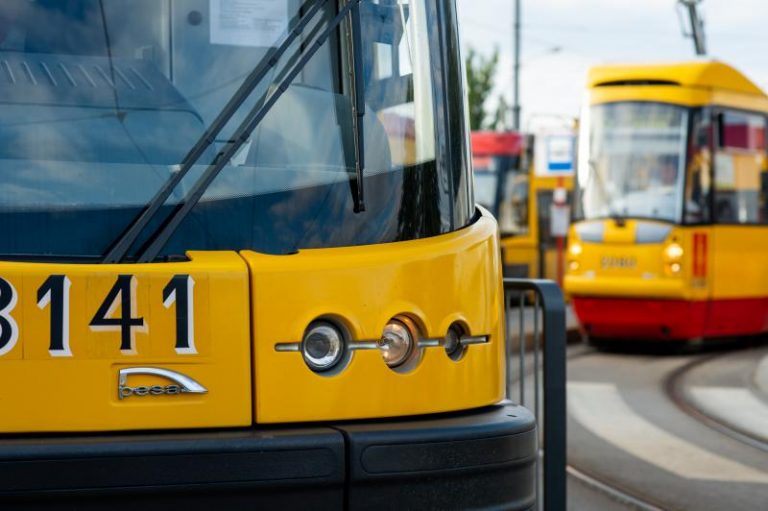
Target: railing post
(554, 368)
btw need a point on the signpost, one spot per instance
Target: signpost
(555, 156)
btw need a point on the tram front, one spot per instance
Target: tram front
(671, 187)
(243, 235)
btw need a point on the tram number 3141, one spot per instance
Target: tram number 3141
(54, 294)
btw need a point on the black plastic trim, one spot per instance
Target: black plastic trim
(483, 460)
(480, 459)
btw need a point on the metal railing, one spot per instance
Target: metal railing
(536, 369)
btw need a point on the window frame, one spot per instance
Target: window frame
(715, 112)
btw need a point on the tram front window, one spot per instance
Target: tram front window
(99, 108)
(632, 164)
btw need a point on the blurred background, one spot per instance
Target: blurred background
(561, 39)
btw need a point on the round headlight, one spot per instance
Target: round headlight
(396, 343)
(673, 252)
(575, 249)
(452, 343)
(322, 346)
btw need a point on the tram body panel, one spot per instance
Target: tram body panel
(739, 303)
(436, 281)
(70, 380)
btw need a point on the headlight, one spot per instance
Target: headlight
(673, 252)
(452, 343)
(574, 249)
(397, 342)
(323, 346)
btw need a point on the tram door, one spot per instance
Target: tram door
(739, 275)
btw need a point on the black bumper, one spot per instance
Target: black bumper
(482, 459)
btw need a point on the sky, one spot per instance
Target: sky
(561, 39)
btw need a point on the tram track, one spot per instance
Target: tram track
(673, 388)
(589, 479)
(616, 492)
(679, 384)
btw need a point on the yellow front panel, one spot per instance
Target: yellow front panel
(435, 280)
(620, 267)
(76, 388)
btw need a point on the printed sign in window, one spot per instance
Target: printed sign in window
(248, 22)
(554, 153)
(560, 153)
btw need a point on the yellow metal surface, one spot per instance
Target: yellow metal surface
(699, 84)
(79, 392)
(621, 267)
(697, 74)
(738, 261)
(435, 281)
(521, 250)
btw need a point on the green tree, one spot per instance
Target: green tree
(481, 78)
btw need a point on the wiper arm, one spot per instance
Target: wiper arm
(123, 244)
(241, 135)
(358, 89)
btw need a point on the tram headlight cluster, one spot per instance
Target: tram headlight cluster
(574, 251)
(673, 255)
(327, 346)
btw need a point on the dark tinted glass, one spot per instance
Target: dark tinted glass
(101, 100)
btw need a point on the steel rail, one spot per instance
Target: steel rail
(673, 389)
(612, 490)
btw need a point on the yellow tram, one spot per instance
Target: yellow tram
(241, 264)
(671, 204)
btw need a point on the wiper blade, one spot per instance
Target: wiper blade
(358, 90)
(122, 246)
(241, 135)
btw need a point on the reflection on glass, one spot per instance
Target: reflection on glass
(633, 166)
(740, 163)
(99, 108)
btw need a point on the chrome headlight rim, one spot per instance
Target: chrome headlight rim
(408, 361)
(338, 353)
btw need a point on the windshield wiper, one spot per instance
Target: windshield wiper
(358, 91)
(240, 137)
(124, 243)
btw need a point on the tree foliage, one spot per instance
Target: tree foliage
(481, 79)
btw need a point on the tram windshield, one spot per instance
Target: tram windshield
(631, 162)
(102, 99)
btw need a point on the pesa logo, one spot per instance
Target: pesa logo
(179, 383)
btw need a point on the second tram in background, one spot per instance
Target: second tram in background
(508, 184)
(671, 210)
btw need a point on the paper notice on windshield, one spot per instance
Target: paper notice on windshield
(248, 22)
(725, 177)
